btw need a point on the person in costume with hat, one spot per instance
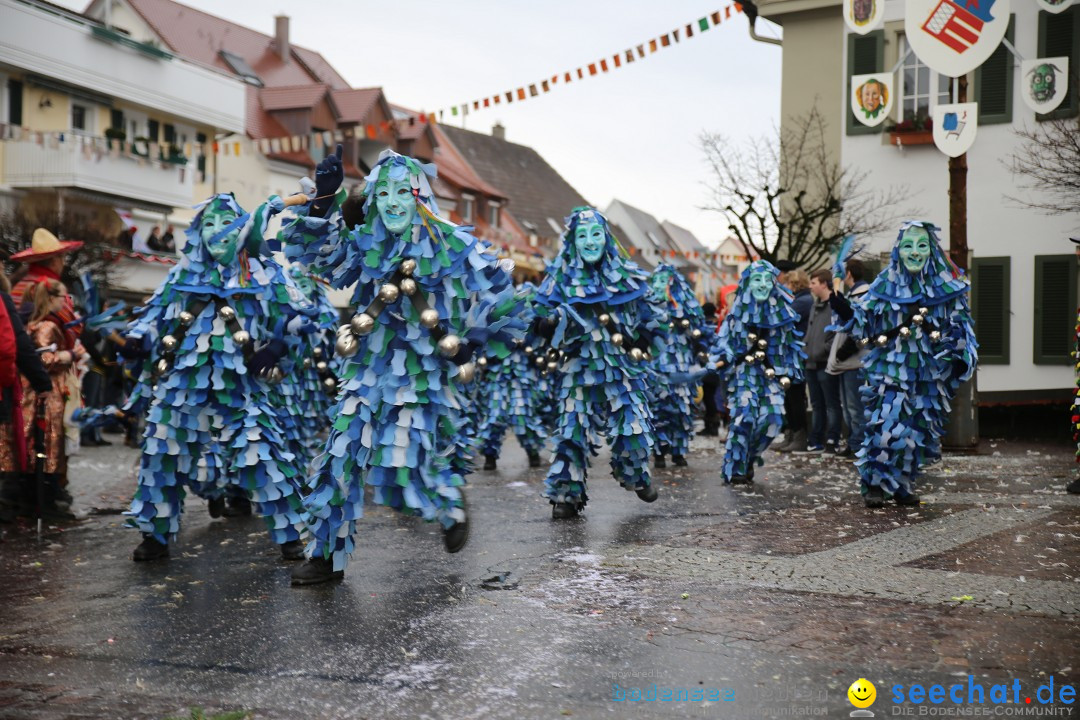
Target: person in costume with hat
(44, 260)
(916, 322)
(680, 364)
(759, 354)
(210, 346)
(600, 330)
(429, 296)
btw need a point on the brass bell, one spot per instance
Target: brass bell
(863, 342)
(169, 343)
(449, 345)
(770, 373)
(429, 317)
(905, 332)
(696, 334)
(408, 287)
(646, 355)
(330, 384)
(162, 366)
(763, 343)
(275, 375)
(617, 339)
(917, 319)
(389, 293)
(528, 349)
(785, 383)
(924, 311)
(671, 326)
(540, 362)
(362, 323)
(241, 337)
(759, 355)
(307, 363)
(604, 318)
(321, 366)
(636, 354)
(227, 314)
(466, 372)
(749, 359)
(684, 324)
(346, 345)
(482, 361)
(186, 318)
(882, 341)
(408, 267)
(317, 351)
(552, 366)
(752, 337)
(702, 358)
(935, 335)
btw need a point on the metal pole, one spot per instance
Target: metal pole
(962, 432)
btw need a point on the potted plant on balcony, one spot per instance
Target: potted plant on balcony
(141, 146)
(912, 131)
(115, 134)
(175, 155)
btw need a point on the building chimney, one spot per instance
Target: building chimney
(498, 131)
(281, 36)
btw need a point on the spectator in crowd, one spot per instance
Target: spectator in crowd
(845, 362)
(154, 242)
(798, 282)
(824, 388)
(94, 381)
(17, 357)
(167, 240)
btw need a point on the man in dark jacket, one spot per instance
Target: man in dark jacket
(824, 388)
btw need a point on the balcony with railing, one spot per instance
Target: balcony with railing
(89, 164)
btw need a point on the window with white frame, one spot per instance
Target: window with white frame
(82, 117)
(921, 89)
(493, 214)
(468, 204)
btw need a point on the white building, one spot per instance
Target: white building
(1023, 267)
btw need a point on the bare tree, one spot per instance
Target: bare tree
(786, 197)
(1049, 163)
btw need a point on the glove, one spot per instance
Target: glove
(135, 347)
(329, 174)
(267, 356)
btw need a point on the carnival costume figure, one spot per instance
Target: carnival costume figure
(759, 354)
(593, 310)
(210, 344)
(317, 382)
(916, 321)
(428, 295)
(679, 364)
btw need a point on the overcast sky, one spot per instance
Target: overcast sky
(629, 134)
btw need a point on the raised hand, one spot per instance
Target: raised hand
(329, 174)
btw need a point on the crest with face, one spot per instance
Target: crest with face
(394, 198)
(761, 285)
(220, 243)
(1043, 80)
(589, 241)
(914, 249)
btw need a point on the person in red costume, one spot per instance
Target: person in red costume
(45, 260)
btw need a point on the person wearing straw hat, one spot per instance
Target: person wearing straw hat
(45, 259)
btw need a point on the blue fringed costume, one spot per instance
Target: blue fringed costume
(511, 398)
(316, 381)
(211, 424)
(427, 298)
(678, 363)
(922, 346)
(759, 354)
(596, 313)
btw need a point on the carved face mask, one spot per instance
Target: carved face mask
(761, 285)
(1043, 79)
(659, 282)
(395, 201)
(304, 283)
(862, 10)
(915, 249)
(221, 246)
(589, 242)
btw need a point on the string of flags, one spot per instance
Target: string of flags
(602, 65)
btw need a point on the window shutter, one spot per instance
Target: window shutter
(15, 102)
(990, 306)
(1055, 304)
(994, 83)
(1059, 35)
(866, 54)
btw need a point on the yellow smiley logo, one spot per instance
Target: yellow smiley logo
(862, 693)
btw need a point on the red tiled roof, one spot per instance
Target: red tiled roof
(354, 105)
(454, 167)
(259, 123)
(200, 36)
(292, 97)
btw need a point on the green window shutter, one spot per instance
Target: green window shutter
(1059, 35)
(865, 54)
(990, 306)
(1055, 309)
(994, 83)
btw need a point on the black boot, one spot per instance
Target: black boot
(534, 459)
(679, 460)
(292, 550)
(563, 511)
(648, 494)
(909, 500)
(874, 497)
(660, 461)
(216, 506)
(238, 507)
(150, 549)
(1073, 487)
(315, 570)
(489, 462)
(712, 427)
